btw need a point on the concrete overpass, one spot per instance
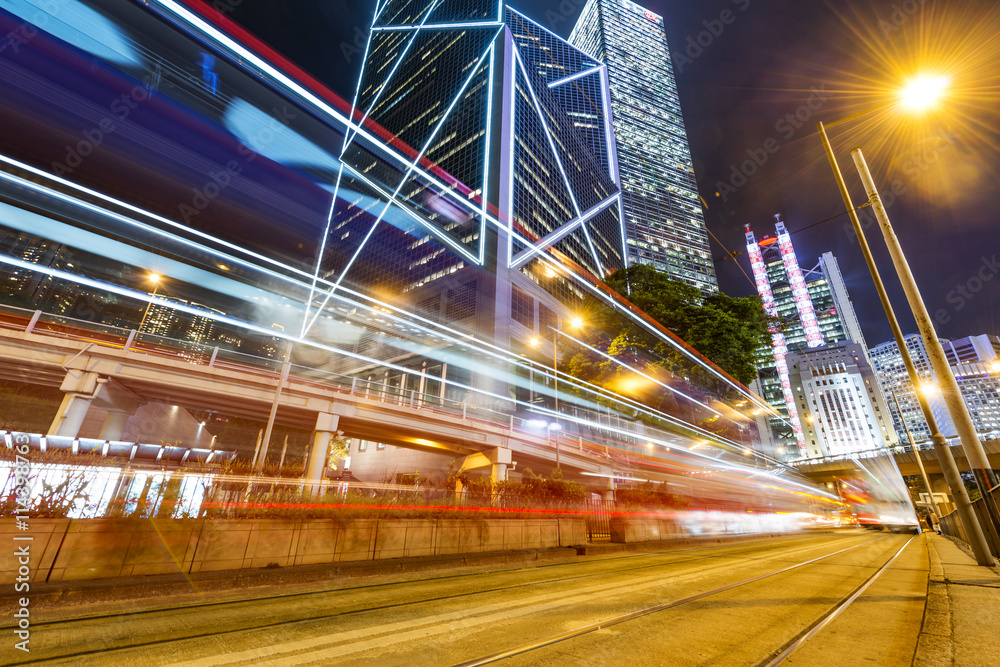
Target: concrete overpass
(118, 378)
(827, 469)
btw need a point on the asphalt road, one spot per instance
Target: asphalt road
(648, 608)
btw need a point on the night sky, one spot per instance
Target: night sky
(745, 68)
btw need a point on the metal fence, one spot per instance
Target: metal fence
(952, 525)
(599, 520)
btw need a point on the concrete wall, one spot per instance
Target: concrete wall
(63, 549)
(645, 530)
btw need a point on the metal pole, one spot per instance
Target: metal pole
(285, 367)
(284, 448)
(555, 373)
(941, 448)
(916, 453)
(935, 351)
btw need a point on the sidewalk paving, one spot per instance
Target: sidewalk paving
(962, 618)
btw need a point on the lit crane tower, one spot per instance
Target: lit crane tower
(778, 345)
(800, 293)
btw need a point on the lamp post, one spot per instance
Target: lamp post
(155, 279)
(973, 447)
(916, 453)
(941, 448)
(935, 351)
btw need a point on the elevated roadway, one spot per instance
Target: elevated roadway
(829, 468)
(118, 377)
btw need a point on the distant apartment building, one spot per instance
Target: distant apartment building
(975, 361)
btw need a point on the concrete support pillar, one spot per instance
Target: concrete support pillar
(498, 472)
(326, 429)
(79, 388)
(113, 427)
(940, 485)
(70, 416)
(500, 458)
(608, 493)
(83, 389)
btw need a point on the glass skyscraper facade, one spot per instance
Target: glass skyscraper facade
(664, 223)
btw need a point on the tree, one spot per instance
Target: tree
(727, 330)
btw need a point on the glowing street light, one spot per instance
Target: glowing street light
(928, 389)
(922, 92)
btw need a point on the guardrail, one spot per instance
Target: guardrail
(952, 525)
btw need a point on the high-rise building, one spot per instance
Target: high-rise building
(664, 223)
(839, 399)
(975, 361)
(813, 309)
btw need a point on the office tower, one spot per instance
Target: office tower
(813, 308)
(975, 361)
(838, 396)
(664, 223)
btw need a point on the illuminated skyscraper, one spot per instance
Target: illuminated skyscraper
(664, 223)
(813, 309)
(839, 397)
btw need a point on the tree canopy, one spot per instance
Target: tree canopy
(727, 330)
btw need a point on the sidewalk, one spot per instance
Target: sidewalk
(962, 617)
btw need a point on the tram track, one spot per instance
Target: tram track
(111, 643)
(97, 626)
(782, 654)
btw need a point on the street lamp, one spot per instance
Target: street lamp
(947, 461)
(155, 279)
(947, 383)
(923, 91)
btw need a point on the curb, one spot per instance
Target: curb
(935, 644)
